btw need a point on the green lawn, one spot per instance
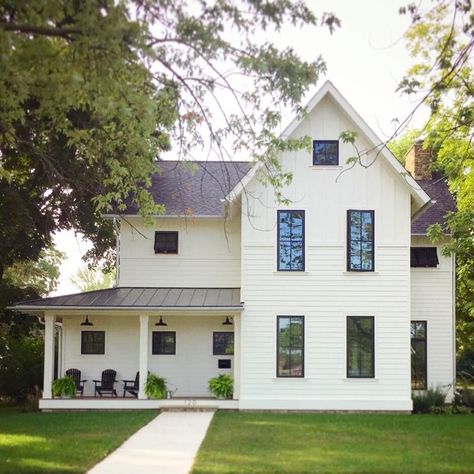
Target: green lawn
(62, 442)
(311, 443)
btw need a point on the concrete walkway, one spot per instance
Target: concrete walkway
(167, 445)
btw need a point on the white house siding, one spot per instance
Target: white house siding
(432, 301)
(209, 253)
(188, 371)
(325, 293)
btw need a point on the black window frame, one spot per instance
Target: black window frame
(349, 240)
(166, 232)
(303, 240)
(83, 343)
(280, 317)
(431, 261)
(325, 142)
(217, 352)
(348, 375)
(155, 344)
(425, 365)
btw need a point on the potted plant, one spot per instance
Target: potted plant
(222, 386)
(155, 387)
(64, 387)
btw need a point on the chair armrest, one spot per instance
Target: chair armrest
(128, 381)
(83, 380)
(97, 381)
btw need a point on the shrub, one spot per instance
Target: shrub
(155, 387)
(424, 402)
(221, 386)
(64, 387)
(467, 396)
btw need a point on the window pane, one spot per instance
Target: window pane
(360, 346)
(163, 342)
(291, 240)
(223, 343)
(360, 245)
(325, 152)
(166, 242)
(290, 343)
(418, 355)
(92, 342)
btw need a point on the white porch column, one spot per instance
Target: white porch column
(143, 355)
(48, 354)
(237, 353)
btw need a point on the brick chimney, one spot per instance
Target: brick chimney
(418, 161)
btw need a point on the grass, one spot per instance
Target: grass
(65, 442)
(314, 443)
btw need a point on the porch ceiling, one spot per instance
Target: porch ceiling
(136, 298)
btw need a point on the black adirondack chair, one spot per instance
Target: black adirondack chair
(75, 374)
(131, 386)
(106, 383)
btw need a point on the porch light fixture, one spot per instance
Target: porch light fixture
(227, 322)
(161, 322)
(87, 322)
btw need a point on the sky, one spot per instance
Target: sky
(366, 58)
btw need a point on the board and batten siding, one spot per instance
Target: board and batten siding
(325, 294)
(188, 371)
(432, 301)
(208, 253)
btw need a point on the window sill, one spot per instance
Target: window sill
(360, 380)
(302, 379)
(360, 273)
(289, 272)
(326, 167)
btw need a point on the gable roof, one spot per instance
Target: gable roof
(442, 203)
(194, 188)
(419, 196)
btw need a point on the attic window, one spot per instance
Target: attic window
(166, 242)
(325, 152)
(424, 257)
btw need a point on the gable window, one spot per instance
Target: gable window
(223, 343)
(290, 346)
(325, 152)
(290, 240)
(424, 257)
(360, 241)
(166, 242)
(418, 355)
(360, 347)
(163, 343)
(92, 342)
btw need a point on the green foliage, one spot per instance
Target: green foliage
(155, 387)
(221, 386)
(64, 387)
(465, 365)
(427, 400)
(88, 279)
(399, 146)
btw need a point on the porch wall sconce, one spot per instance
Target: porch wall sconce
(227, 322)
(86, 322)
(161, 322)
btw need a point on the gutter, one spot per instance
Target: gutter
(126, 308)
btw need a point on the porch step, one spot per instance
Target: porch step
(187, 408)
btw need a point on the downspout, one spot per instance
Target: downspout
(454, 318)
(117, 252)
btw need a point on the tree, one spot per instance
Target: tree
(399, 146)
(94, 92)
(441, 39)
(88, 279)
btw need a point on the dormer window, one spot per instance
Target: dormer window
(325, 152)
(166, 242)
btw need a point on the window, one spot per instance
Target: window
(290, 241)
(423, 257)
(360, 346)
(223, 343)
(163, 343)
(360, 241)
(418, 355)
(166, 242)
(290, 346)
(325, 152)
(92, 342)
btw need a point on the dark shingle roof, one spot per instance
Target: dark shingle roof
(146, 298)
(195, 187)
(443, 202)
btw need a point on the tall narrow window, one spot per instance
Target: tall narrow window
(360, 241)
(325, 152)
(418, 355)
(290, 346)
(360, 347)
(290, 240)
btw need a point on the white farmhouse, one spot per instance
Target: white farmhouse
(337, 301)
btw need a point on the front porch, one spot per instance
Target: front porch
(185, 344)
